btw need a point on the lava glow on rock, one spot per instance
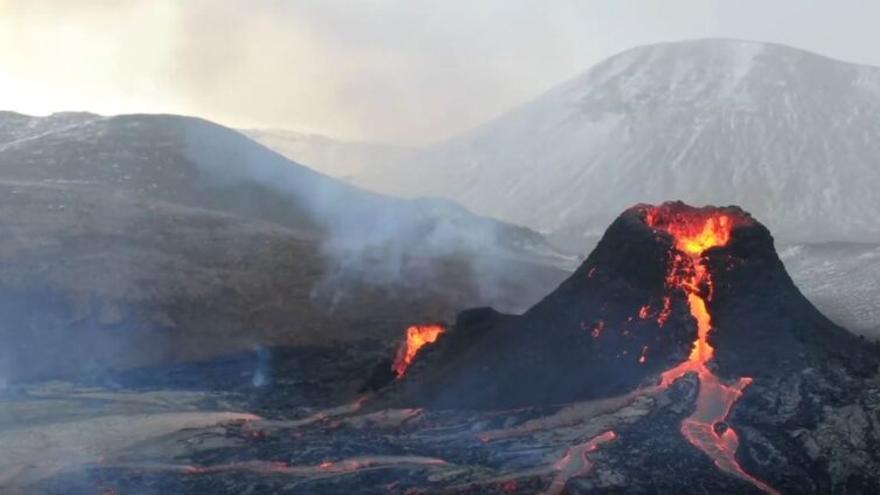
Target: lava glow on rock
(417, 336)
(694, 231)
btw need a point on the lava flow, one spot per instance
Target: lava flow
(417, 336)
(576, 463)
(694, 232)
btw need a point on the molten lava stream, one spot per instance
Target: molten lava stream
(576, 463)
(706, 428)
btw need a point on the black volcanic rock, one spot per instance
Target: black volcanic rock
(600, 334)
(762, 324)
(583, 340)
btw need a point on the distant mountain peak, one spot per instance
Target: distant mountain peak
(790, 135)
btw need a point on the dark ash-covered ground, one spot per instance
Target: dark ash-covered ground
(178, 440)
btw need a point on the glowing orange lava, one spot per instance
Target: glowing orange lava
(417, 336)
(694, 232)
(575, 462)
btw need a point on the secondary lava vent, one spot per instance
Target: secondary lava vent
(417, 337)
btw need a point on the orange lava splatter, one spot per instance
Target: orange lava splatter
(665, 312)
(695, 231)
(417, 336)
(645, 311)
(598, 328)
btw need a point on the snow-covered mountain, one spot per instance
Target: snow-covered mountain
(789, 135)
(842, 279)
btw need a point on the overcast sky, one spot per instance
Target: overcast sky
(400, 71)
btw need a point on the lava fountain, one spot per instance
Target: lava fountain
(694, 232)
(417, 336)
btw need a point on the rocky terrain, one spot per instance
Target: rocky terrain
(186, 441)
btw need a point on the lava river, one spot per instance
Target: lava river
(706, 429)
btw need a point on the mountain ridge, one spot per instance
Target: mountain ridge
(785, 132)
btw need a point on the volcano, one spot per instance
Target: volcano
(670, 291)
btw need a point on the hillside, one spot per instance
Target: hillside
(140, 239)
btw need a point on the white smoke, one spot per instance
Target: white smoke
(365, 237)
(263, 369)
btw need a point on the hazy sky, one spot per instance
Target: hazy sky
(405, 71)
